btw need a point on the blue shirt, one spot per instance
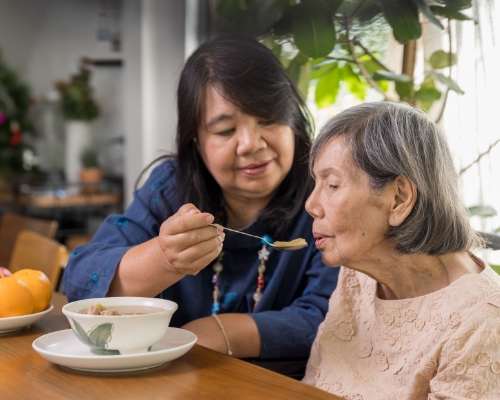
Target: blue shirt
(297, 283)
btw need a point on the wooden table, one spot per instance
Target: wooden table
(199, 374)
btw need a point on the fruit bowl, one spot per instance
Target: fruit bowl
(10, 324)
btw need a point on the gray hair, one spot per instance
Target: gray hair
(387, 140)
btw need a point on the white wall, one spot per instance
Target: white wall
(162, 58)
(44, 41)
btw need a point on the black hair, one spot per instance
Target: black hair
(248, 75)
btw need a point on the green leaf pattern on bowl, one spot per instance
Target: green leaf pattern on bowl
(97, 338)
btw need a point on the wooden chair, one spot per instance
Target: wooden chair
(10, 226)
(34, 251)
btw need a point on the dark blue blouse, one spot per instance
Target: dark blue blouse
(298, 284)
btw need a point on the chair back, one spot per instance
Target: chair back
(10, 226)
(34, 251)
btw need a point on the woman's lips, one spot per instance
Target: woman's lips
(319, 241)
(256, 169)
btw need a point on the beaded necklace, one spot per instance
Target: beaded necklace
(218, 267)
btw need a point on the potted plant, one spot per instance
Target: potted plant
(90, 174)
(78, 107)
(15, 124)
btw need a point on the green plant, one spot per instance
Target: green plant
(15, 122)
(326, 42)
(88, 157)
(77, 102)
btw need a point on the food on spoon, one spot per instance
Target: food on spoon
(4, 272)
(294, 243)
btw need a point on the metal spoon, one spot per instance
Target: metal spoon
(280, 247)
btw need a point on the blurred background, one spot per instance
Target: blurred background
(88, 87)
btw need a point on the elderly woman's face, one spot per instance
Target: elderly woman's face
(248, 157)
(350, 220)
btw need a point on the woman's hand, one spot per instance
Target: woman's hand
(187, 241)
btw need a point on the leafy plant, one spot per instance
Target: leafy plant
(324, 42)
(88, 157)
(15, 121)
(77, 102)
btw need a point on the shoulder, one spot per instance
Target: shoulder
(159, 192)
(164, 173)
(162, 176)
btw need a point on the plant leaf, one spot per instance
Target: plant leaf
(441, 59)
(296, 69)
(404, 89)
(284, 26)
(402, 16)
(104, 352)
(81, 334)
(370, 65)
(427, 94)
(277, 50)
(352, 82)
(422, 5)
(321, 69)
(313, 29)
(390, 76)
(333, 5)
(482, 211)
(458, 4)
(452, 14)
(100, 335)
(368, 12)
(251, 18)
(327, 88)
(448, 82)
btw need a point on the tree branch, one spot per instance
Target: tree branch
(369, 53)
(450, 58)
(481, 155)
(340, 59)
(362, 69)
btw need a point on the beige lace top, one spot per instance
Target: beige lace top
(445, 345)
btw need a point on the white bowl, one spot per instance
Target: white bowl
(14, 323)
(119, 334)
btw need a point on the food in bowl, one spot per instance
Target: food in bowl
(128, 333)
(99, 309)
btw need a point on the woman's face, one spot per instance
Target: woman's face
(248, 156)
(350, 220)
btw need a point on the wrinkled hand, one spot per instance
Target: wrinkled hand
(187, 241)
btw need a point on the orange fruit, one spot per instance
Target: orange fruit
(16, 298)
(40, 287)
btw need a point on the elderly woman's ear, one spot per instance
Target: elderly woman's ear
(403, 194)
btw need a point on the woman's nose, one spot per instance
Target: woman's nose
(250, 140)
(313, 206)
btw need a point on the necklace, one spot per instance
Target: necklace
(263, 255)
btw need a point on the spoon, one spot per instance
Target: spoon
(280, 246)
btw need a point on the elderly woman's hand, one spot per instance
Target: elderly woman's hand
(188, 242)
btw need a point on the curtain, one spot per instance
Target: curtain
(472, 120)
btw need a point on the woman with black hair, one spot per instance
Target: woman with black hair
(242, 140)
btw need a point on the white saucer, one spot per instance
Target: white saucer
(64, 348)
(14, 323)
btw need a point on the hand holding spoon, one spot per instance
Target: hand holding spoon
(295, 244)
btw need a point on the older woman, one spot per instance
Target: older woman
(242, 136)
(415, 314)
